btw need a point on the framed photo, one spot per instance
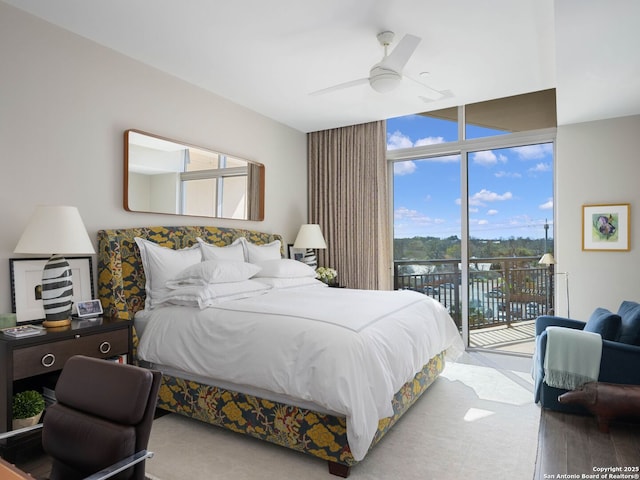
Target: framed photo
(26, 285)
(90, 308)
(296, 253)
(606, 227)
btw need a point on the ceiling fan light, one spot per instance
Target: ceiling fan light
(385, 82)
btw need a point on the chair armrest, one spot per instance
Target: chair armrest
(544, 321)
(121, 465)
(19, 431)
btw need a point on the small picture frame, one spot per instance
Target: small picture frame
(296, 253)
(90, 308)
(606, 227)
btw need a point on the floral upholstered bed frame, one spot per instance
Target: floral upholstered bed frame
(121, 287)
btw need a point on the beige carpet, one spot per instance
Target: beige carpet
(474, 423)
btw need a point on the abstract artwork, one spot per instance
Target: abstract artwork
(606, 227)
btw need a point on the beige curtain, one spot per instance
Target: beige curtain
(348, 198)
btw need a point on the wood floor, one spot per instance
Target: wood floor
(573, 445)
(567, 445)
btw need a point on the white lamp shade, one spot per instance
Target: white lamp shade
(55, 230)
(547, 259)
(310, 236)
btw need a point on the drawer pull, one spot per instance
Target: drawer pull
(48, 360)
(105, 347)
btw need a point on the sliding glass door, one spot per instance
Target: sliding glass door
(473, 214)
(510, 202)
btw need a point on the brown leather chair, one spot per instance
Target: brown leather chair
(103, 414)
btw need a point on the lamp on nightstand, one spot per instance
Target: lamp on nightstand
(56, 231)
(309, 238)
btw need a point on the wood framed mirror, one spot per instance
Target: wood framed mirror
(167, 176)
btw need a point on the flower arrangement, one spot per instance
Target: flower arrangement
(327, 275)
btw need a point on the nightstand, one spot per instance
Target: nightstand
(29, 363)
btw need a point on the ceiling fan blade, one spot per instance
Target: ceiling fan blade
(352, 83)
(428, 93)
(401, 53)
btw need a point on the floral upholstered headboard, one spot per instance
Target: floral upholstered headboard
(121, 280)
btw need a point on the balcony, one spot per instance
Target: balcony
(506, 295)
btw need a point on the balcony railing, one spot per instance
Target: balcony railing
(502, 290)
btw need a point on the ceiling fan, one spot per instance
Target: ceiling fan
(386, 75)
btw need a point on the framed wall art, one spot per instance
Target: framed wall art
(296, 253)
(606, 227)
(26, 280)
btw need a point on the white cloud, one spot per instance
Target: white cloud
(533, 152)
(548, 205)
(404, 168)
(483, 222)
(397, 140)
(416, 217)
(428, 141)
(488, 158)
(541, 167)
(483, 196)
(492, 212)
(503, 174)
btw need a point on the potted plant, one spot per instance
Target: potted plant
(27, 408)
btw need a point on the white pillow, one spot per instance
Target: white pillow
(282, 283)
(260, 253)
(203, 296)
(214, 271)
(162, 264)
(284, 268)
(233, 251)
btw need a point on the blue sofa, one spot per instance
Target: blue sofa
(620, 362)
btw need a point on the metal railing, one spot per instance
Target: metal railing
(502, 290)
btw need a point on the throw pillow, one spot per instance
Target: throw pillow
(630, 328)
(284, 268)
(213, 271)
(161, 264)
(233, 251)
(605, 323)
(260, 253)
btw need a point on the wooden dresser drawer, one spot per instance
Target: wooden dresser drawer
(52, 356)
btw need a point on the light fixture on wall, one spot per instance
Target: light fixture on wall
(56, 231)
(310, 238)
(548, 260)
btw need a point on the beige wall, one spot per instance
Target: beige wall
(597, 162)
(65, 103)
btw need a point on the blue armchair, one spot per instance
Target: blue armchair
(620, 362)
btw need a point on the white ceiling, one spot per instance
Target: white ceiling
(269, 55)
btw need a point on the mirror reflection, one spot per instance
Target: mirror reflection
(166, 176)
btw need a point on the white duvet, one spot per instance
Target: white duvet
(346, 350)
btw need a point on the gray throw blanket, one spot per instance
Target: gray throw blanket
(572, 357)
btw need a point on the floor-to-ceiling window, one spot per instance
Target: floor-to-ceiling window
(473, 213)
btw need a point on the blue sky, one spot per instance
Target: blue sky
(510, 190)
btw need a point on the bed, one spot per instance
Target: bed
(256, 397)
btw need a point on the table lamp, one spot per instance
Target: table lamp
(56, 231)
(309, 238)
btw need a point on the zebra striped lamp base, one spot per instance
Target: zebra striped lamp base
(310, 258)
(57, 292)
